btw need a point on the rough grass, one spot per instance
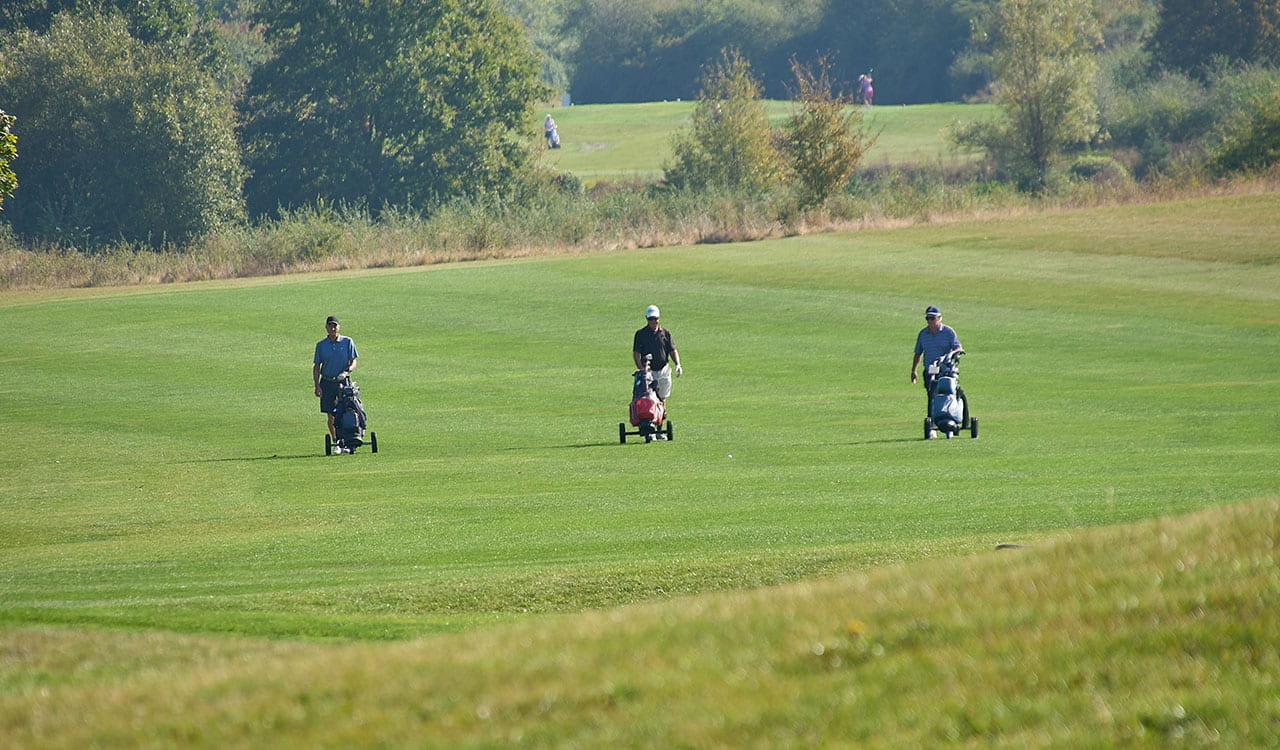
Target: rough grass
(907, 180)
(308, 242)
(1150, 634)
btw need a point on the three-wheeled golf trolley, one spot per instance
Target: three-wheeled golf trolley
(349, 421)
(948, 406)
(648, 415)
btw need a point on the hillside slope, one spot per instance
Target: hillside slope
(1146, 633)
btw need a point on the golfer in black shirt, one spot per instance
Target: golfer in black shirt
(655, 340)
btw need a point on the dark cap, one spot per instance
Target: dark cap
(932, 310)
(331, 319)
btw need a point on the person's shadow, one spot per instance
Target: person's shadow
(232, 459)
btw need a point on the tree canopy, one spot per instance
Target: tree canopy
(645, 50)
(120, 139)
(387, 102)
(1191, 33)
(149, 21)
(1045, 66)
(8, 152)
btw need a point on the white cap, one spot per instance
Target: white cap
(651, 312)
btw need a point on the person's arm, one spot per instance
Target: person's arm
(315, 376)
(915, 362)
(639, 358)
(675, 360)
(350, 366)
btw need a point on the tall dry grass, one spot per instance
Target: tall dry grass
(324, 238)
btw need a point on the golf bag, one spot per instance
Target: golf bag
(647, 411)
(948, 406)
(349, 419)
(945, 407)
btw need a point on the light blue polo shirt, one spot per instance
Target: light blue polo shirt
(934, 345)
(334, 356)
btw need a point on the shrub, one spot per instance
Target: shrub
(824, 139)
(1171, 108)
(730, 144)
(1250, 141)
(1171, 116)
(1098, 168)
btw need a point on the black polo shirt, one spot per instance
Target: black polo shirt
(658, 343)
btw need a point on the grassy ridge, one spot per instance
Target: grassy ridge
(1147, 634)
(621, 142)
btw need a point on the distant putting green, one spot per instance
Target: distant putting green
(622, 142)
(164, 465)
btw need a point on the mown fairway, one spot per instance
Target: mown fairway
(633, 141)
(165, 470)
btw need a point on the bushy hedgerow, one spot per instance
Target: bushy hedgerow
(1251, 141)
(1163, 118)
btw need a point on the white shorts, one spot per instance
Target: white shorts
(662, 382)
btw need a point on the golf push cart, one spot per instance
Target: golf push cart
(948, 406)
(648, 415)
(349, 421)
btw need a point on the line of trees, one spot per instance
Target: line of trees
(137, 121)
(919, 50)
(159, 122)
(647, 50)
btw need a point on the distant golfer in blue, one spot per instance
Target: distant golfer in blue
(335, 359)
(933, 341)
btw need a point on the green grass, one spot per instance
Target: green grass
(1150, 635)
(165, 496)
(620, 142)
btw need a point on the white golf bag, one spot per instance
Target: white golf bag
(945, 408)
(948, 405)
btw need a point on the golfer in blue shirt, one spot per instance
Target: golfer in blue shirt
(335, 359)
(933, 341)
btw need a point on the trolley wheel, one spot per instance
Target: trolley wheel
(328, 445)
(973, 427)
(671, 431)
(373, 442)
(622, 433)
(928, 429)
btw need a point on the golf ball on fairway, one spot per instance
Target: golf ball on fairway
(730, 455)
